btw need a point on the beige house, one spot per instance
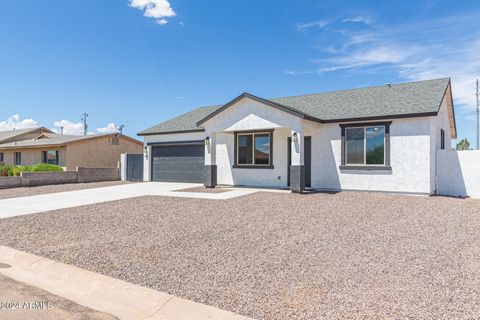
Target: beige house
(41, 145)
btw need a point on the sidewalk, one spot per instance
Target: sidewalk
(98, 292)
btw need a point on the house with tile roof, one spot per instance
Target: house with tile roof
(41, 145)
(380, 138)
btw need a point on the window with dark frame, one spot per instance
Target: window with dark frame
(50, 157)
(2, 157)
(365, 145)
(253, 149)
(18, 158)
(442, 139)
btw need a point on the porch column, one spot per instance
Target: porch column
(297, 167)
(210, 160)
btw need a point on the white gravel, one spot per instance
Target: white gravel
(279, 256)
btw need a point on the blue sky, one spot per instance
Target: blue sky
(143, 61)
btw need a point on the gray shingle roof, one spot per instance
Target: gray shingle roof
(185, 122)
(396, 100)
(6, 135)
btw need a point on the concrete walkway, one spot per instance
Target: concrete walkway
(53, 201)
(22, 302)
(105, 294)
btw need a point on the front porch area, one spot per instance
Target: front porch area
(265, 157)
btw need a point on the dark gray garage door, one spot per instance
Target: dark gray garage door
(178, 163)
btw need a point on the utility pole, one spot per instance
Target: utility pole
(478, 117)
(84, 120)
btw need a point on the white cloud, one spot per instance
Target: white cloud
(414, 50)
(368, 57)
(308, 25)
(359, 19)
(110, 127)
(15, 122)
(68, 127)
(156, 9)
(77, 128)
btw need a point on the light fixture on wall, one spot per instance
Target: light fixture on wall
(207, 141)
(295, 137)
(145, 152)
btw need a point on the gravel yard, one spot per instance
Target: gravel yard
(279, 256)
(33, 191)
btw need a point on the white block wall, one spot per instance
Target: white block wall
(458, 173)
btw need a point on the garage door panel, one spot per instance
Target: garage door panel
(179, 160)
(179, 151)
(178, 163)
(169, 176)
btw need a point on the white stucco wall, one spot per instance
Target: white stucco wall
(441, 121)
(248, 114)
(276, 177)
(409, 159)
(165, 138)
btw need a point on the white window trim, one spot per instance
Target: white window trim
(364, 146)
(253, 134)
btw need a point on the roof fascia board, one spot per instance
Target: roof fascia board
(141, 134)
(43, 146)
(260, 100)
(449, 90)
(386, 117)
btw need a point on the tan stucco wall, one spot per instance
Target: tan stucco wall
(92, 153)
(99, 153)
(33, 156)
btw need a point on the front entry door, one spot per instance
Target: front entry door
(307, 160)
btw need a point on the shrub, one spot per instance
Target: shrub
(45, 167)
(4, 170)
(17, 170)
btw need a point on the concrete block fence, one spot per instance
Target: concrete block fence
(97, 174)
(80, 175)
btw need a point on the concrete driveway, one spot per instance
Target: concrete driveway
(54, 201)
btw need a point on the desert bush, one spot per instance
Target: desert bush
(4, 170)
(45, 167)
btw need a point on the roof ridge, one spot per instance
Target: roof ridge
(361, 88)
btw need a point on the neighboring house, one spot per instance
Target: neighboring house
(41, 145)
(378, 138)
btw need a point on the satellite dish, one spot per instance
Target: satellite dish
(120, 128)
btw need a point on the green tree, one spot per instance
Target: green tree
(464, 144)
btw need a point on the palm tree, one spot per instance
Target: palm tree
(464, 144)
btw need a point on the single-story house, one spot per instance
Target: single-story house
(380, 138)
(41, 145)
